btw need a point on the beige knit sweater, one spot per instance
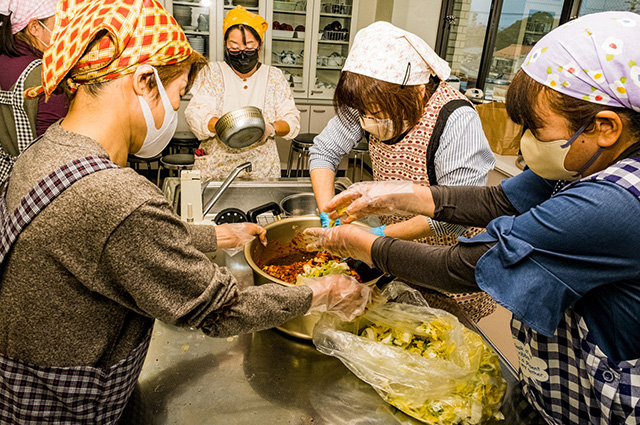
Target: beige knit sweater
(86, 278)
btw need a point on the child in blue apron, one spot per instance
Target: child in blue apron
(562, 247)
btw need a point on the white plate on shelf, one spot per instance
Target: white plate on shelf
(189, 28)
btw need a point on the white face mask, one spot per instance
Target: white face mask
(47, 28)
(381, 128)
(157, 138)
(546, 159)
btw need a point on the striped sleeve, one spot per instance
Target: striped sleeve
(335, 141)
(463, 158)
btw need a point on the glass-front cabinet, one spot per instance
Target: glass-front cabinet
(309, 42)
(196, 17)
(307, 39)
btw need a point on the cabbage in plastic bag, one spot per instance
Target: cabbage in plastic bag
(421, 360)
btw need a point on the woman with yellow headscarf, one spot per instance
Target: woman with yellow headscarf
(90, 251)
(241, 80)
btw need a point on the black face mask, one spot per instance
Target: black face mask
(243, 61)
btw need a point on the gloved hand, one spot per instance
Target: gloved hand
(269, 131)
(232, 237)
(339, 294)
(375, 198)
(379, 230)
(326, 221)
(343, 241)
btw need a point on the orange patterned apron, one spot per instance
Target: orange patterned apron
(407, 161)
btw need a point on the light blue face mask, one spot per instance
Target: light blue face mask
(157, 138)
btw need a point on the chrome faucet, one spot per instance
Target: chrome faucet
(225, 184)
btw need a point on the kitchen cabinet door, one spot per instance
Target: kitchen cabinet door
(334, 27)
(305, 113)
(197, 18)
(309, 41)
(320, 116)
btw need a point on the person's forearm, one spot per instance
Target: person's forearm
(322, 181)
(257, 308)
(470, 205)
(414, 228)
(441, 267)
(282, 128)
(203, 236)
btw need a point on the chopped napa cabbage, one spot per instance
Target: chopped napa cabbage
(330, 267)
(474, 401)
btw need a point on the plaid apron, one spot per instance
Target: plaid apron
(567, 378)
(25, 134)
(61, 395)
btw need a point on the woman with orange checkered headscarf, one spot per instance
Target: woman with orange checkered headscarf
(241, 80)
(91, 252)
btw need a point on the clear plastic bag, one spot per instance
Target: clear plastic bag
(419, 359)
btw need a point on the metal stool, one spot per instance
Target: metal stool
(358, 153)
(175, 161)
(300, 145)
(178, 143)
(134, 163)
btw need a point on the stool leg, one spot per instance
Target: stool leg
(353, 170)
(298, 163)
(290, 161)
(159, 171)
(361, 168)
(305, 162)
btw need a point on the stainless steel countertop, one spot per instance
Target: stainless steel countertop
(263, 378)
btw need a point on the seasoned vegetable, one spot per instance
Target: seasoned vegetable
(473, 401)
(322, 264)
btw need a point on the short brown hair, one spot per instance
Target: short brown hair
(399, 103)
(525, 93)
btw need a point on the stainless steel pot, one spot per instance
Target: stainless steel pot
(299, 204)
(241, 128)
(279, 235)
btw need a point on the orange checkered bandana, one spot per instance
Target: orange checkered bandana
(130, 32)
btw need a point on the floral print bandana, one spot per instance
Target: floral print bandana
(388, 53)
(23, 11)
(129, 33)
(594, 58)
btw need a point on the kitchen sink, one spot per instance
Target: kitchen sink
(246, 195)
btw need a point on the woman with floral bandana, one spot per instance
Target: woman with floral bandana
(562, 247)
(25, 32)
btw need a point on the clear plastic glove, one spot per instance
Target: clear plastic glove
(269, 131)
(338, 294)
(326, 222)
(232, 237)
(374, 198)
(344, 241)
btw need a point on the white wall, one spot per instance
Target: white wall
(366, 13)
(420, 17)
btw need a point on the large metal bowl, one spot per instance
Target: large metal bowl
(279, 235)
(241, 128)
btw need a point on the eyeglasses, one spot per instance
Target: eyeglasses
(237, 52)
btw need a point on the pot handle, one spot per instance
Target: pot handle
(273, 207)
